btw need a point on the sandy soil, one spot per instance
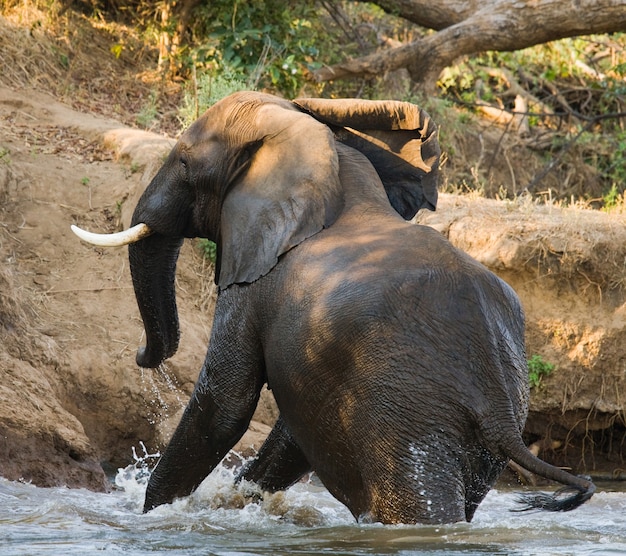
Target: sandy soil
(73, 402)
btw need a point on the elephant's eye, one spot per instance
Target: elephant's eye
(184, 166)
(248, 151)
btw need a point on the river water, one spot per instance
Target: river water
(219, 520)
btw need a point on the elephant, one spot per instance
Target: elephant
(397, 361)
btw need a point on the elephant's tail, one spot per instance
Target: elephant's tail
(577, 490)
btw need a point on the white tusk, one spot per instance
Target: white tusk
(118, 239)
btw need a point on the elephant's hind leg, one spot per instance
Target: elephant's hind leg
(435, 504)
(484, 473)
(279, 463)
(423, 484)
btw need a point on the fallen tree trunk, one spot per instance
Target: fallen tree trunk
(470, 27)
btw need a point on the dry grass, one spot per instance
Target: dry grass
(90, 64)
(13, 308)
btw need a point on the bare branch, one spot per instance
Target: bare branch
(495, 25)
(432, 15)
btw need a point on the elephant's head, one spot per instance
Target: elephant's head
(258, 175)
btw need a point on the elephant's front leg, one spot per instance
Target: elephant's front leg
(207, 431)
(216, 417)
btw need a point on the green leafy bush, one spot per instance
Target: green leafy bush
(537, 369)
(268, 44)
(208, 249)
(209, 88)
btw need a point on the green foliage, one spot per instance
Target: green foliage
(613, 199)
(5, 155)
(117, 50)
(537, 68)
(63, 58)
(209, 88)
(149, 112)
(266, 44)
(606, 152)
(616, 169)
(208, 249)
(574, 92)
(537, 369)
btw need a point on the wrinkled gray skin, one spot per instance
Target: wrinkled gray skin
(397, 362)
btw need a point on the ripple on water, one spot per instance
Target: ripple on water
(221, 518)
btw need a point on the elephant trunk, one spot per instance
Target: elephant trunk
(153, 270)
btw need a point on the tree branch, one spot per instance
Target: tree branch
(428, 14)
(496, 25)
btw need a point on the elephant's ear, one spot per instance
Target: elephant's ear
(399, 139)
(289, 192)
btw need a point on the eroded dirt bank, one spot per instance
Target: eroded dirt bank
(73, 403)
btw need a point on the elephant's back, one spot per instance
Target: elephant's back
(401, 263)
(404, 284)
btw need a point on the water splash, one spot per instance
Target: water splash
(156, 382)
(139, 471)
(170, 381)
(306, 504)
(221, 498)
(133, 479)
